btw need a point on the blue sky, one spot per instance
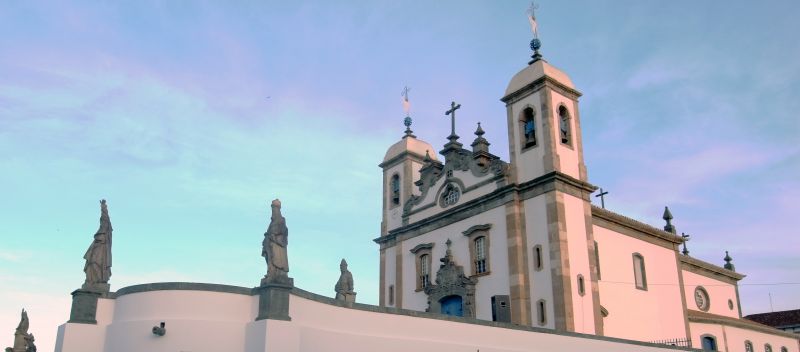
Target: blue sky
(189, 117)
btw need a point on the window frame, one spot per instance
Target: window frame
(538, 258)
(541, 312)
(713, 338)
(581, 285)
(748, 343)
(421, 251)
(642, 268)
(473, 234)
(767, 347)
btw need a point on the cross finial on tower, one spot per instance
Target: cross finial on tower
(535, 42)
(406, 108)
(452, 112)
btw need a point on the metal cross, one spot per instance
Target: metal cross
(452, 113)
(602, 198)
(685, 238)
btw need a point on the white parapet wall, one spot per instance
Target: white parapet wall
(205, 317)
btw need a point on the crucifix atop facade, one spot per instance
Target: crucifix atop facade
(602, 197)
(452, 112)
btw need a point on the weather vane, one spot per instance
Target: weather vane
(407, 108)
(535, 42)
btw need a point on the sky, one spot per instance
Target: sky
(190, 117)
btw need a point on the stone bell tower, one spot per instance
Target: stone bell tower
(547, 164)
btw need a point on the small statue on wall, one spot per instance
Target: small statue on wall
(344, 287)
(273, 248)
(98, 256)
(23, 341)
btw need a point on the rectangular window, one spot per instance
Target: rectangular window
(391, 295)
(639, 274)
(540, 312)
(480, 255)
(537, 257)
(597, 259)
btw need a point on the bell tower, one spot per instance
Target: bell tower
(547, 165)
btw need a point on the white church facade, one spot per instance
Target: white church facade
(476, 254)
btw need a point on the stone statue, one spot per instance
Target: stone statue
(98, 256)
(344, 287)
(274, 247)
(23, 341)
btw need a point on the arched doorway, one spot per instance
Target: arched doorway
(452, 305)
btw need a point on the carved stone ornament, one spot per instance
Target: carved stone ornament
(23, 341)
(98, 256)
(451, 281)
(344, 287)
(273, 248)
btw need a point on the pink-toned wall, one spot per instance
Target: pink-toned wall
(719, 293)
(583, 306)
(645, 315)
(732, 339)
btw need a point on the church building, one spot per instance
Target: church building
(476, 253)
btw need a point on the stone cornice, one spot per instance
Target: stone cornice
(641, 227)
(700, 267)
(421, 246)
(472, 229)
(708, 318)
(536, 85)
(546, 183)
(401, 156)
(182, 286)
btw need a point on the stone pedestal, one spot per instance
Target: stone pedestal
(84, 307)
(273, 299)
(347, 297)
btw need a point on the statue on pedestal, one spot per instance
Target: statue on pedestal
(23, 341)
(273, 248)
(98, 256)
(344, 287)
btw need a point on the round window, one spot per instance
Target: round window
(701, 298)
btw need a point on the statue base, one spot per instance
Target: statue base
(347, 297)
(273, 298)
(84, 307)
(101, 288)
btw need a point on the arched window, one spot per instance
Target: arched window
(748, 346)
(528, 128)
(424, 270)
(767, 347)
(480, 255)
(391, 295)
(541, 313)
(581, 285)
(564, 125)
(639, 274)
(395, 189)
(784, 349)
(708, 343)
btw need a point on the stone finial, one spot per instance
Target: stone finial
(668, 218)
(728, 265)
(344, 287)
(480, 144)
(427, 157)
(98, 256)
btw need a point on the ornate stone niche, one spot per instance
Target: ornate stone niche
(451, 287)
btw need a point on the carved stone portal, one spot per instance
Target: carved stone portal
(452, 287)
